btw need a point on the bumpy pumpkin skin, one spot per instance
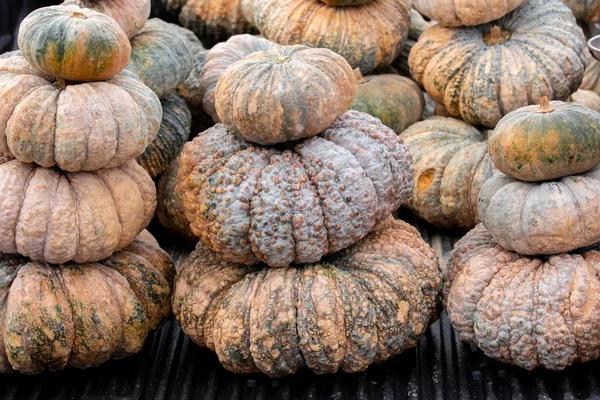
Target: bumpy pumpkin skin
(528, 311)
(539, 143)
(363, 306)
(286, 93)
(542, 217)
(544, 55)
(131, 15)
(55, 216)
(114, 120)
(81, 315)
(75, 44)
(173, 133)
(586, 10)
(451, 163)
(587, 98)
(397, 101)
(251, 203)
(341, 29)
(459, 13)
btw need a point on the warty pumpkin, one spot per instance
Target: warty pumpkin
(451, 163)
(361, 306)
(283, 94)
(482, 73)
(55, 216)
(321, 195)
(76, 127)
(587, 98)
(465, 13)
(548, 217)
(586, 10)
(81, 315)
(548, 141)
(75, 44)
(528, 311)
(367, 36)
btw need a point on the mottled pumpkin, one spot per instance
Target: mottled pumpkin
(366, 45)
(548, 217)
(283, 94)
(75, 44)
(320, 195)
(172, 135)
(397, 101)
(131, 15)
(528, 311)
(482, 73)
(361, 306)
(586, 10)
(587, 98)
(465, 13)
(81, 315)
(55, 216)
(76, 127)
(451, 163)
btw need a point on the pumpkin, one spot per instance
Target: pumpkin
(248, 11)
(462, 13)
(9, 54)
(221, 57)
(417, 26)
(131, 15)
(344, 3)
(213, 21)
(74, 44)
(591, 77)
(587, 98)
(341, 29)
(548, 217)
(251, 203)
(286, 93)
(76, 127)
(161, 56)
(451, 163)
(191, 91)
(397, 101)
(361, 306)
(482, 73)
(173, 134)
(55, 216)
(587, 10)
(527, 311)
(81, 315)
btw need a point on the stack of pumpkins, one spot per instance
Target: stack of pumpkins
(299, 261)
(81, 282)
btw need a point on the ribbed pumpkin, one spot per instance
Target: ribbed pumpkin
(76, 127)
(465, 13)
(283, 94)
(55, 216)
(528, 311)
(366, 45)
(321, 195)
(587, 10)
(548, 141)
(451, 163)
(482, 73)
(587, 98)
(80, 316)
(397, 101)
(131, 15)
(361, 306)
(173, 133)
(75, 44)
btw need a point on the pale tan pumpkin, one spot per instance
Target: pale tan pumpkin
(588, 98)
(465, 13)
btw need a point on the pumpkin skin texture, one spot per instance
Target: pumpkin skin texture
(587, 98)
(451, 163)
(78, 127)
(591, 77)
(587, 10)
(340, 29)
(74, 44)
(418, 25)
(173, 134)
(343, 3)
(458, 13)
(286, 93)
(527, 311)
(545, 142)
(81, 315)
(55, 216)
(544, 55)
(9, 54)
(361, 306)
(252, 203)
(397, 101)
(131, 15)
(549, 217)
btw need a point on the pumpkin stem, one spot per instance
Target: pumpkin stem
(358, 75)
(496, 36)
(545, 106)
(282, 59)
(77, 14)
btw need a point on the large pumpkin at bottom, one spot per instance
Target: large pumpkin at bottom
(81, 315)
(527, 311)
(361, 306)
